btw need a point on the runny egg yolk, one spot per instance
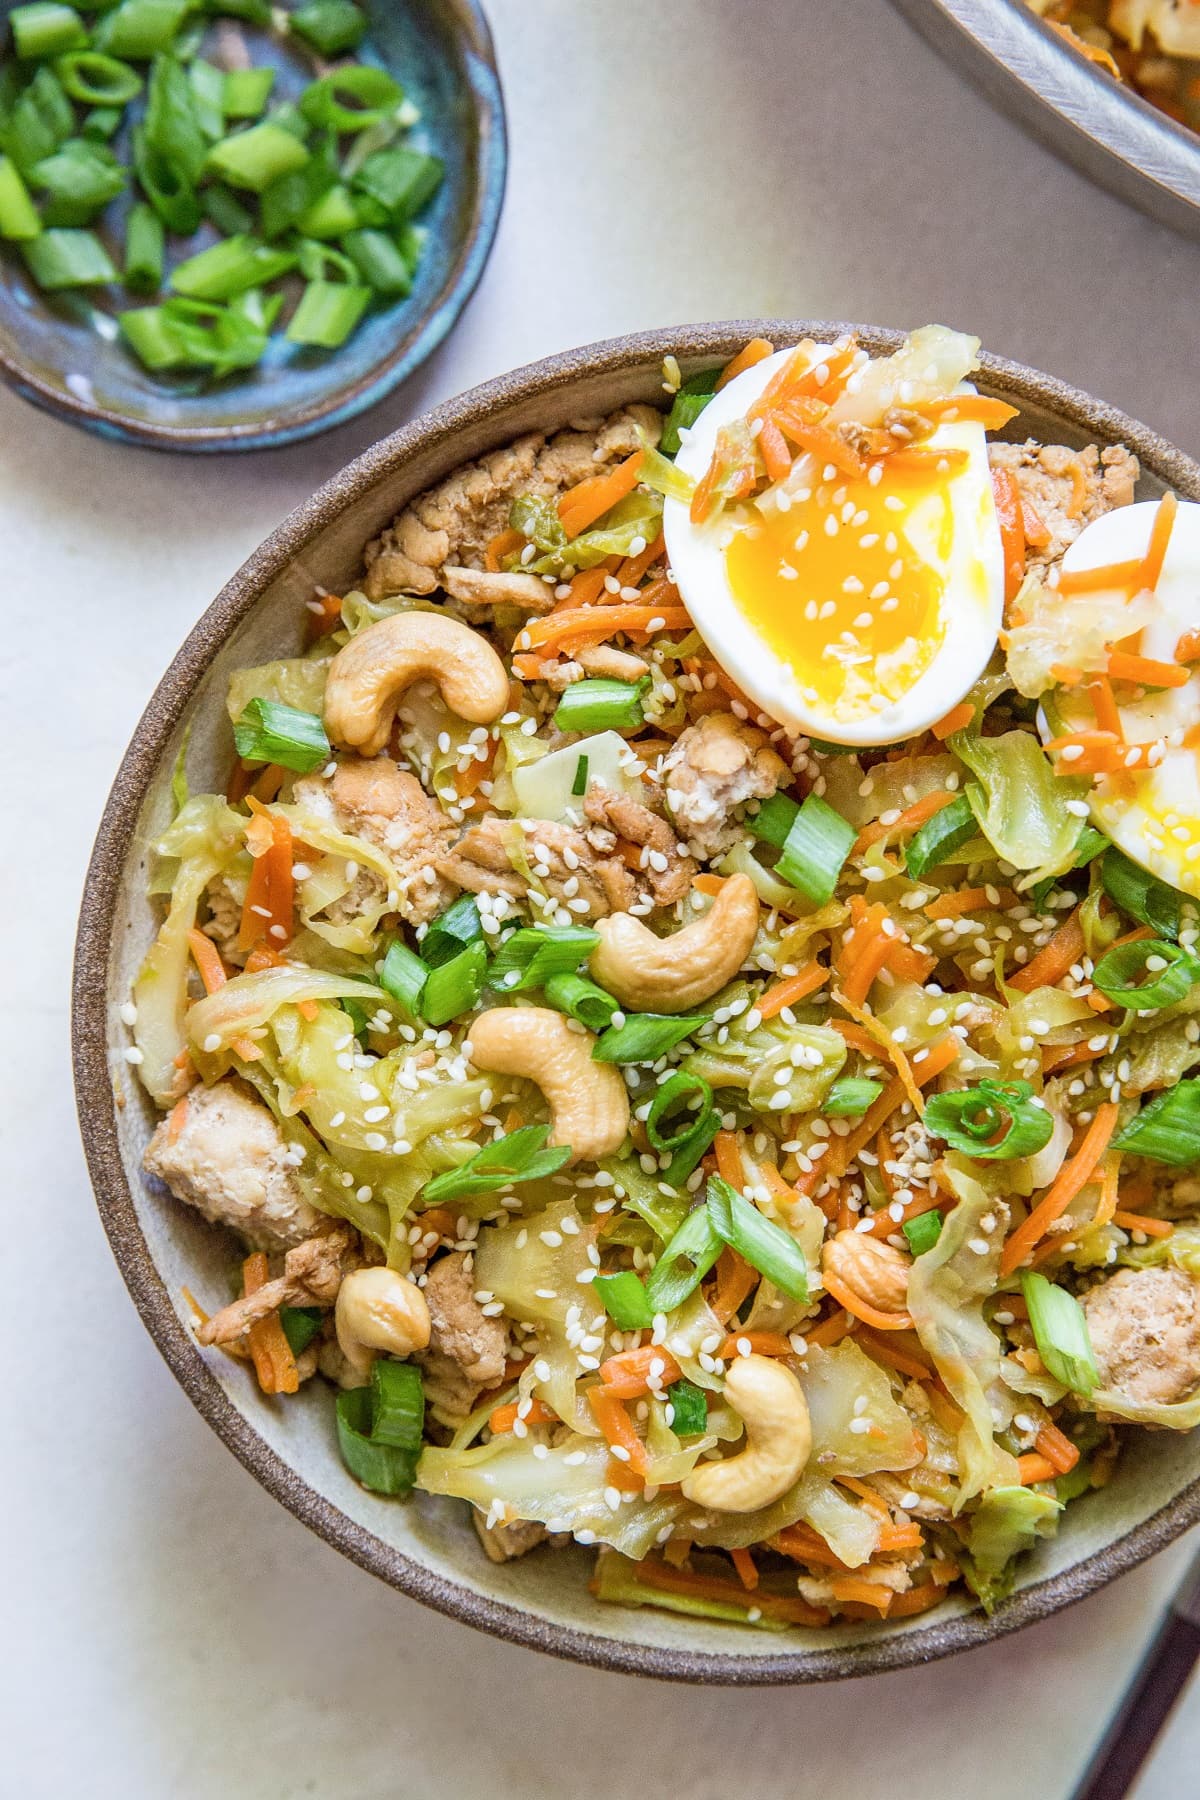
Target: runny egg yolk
(847, 586)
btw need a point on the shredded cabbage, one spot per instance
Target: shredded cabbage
(297, 681)
(1020, 803)
(1076, 630)
(810, 1056)
(929, 365)
(1007, 1521)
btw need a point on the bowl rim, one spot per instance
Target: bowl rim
(95, 1098)
(489, 168)
(1104, 127)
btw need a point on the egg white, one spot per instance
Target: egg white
(971, 610)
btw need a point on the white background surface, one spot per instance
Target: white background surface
(165, 1627)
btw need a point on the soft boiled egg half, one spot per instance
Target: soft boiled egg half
(1152, 814)
(854, 607)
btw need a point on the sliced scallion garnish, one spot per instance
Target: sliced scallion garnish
(332, 27)
(940, 837)
(923, 1232)
(1167, 1129)
(685, 1260)
(537, 952)
(623, 1298)
(644, 1037)
(687, 1101)
(689, 1405)
(1060, 1333)
(68, 259)
(602, 705)
(328, 312)
(379, 1465)
(404, 975)
(815, 851)
(270, 731)
(849, 1097)
(994, 1120)
(763, 1244)
(452, 931)
(1142, 896)
(455, 985)
(520, 1156)
(581, 999)
(1147, 974)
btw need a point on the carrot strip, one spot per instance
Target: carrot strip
(859, 1040)
(600, 623)
(917, 1600)
(831, 1330)
(617, 1428)
(967, 900)
(860, 1592)
(270, 892)
(975, 409)
(1069, 1056)
(503, 1418)
(1146, 671)
(902, 1361)
(505, 543)
(709, 884)
(1131, 1221)
(1057, 1448)
(762, 1343)
(756, 351)
(207, 959)
(1073, 1175)
(919, 461)
(711, 1587)
(883, 1225)
(274, 1364)
(870, 1315)
(957, 719)
(627, 1375)
(589, 500)
(631, 571)
(909, 820)
(775, 454)
(1034, 1467)
(1160, 537)
(324, 615)
(744, 1563)
(1011, 517)
(793, 988)
(1052, 962)
(1108, 575)
(845, 1149)
(1187, 650)
(1108, 716)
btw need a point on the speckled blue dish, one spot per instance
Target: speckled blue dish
(54, 355)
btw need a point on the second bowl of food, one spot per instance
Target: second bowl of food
(637, 996)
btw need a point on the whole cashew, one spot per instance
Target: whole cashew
(379, 1309)
(670, 974)
(368, 675)
(877, 1272)
(589, 1102)
(774, 1411)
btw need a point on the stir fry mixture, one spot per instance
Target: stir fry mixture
(689, 995)
(1154, 45)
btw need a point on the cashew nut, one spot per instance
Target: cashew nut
(368, 675)
(379, 1309)
(877, 1272)
(773, 1409)
(589, 1102)
(670, 974)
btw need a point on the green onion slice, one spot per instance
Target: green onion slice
(940, 837)
(378, 1464)
(536, 952)
(245, 92)
(327, 314)
(350, 99)
(399, 1404)
(686, 1145)
(332, 27)
(1167, 1129)
(923, 1232)
(400, 180)
(581, 999)
(774, 819)
(229, 268)
(380, 262)
(602, 705)
(141, 28)
(404, 976)
(98, 80)
(452, 931)
(689, 1405)
(255, 158)
(815, 851)
(851, 1096)
(1148, 974)
(144, 248)
(689, 402)
(18, 215)
(765, 1246)
(579, 785)
(270, 731)
(300, 1326)
(624, 1300)
(1061, 1334)
(993, 1120)
(454, 986)
(68, 259)
(644, 1037)
(1142, 896)
(45, 28)
(686, 1259)
(521, 1156)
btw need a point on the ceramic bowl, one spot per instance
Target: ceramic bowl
(55, 354)
(1075, 108)
(427, 1547)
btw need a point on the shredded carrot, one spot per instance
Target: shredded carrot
(756, 351)
(877, 1031)
(269, 1349)
(1034, 1467)
(1073, 1175)
(503, 1418)
(709, 884)
(832, 1330)
(729, 1158)
(975, 409)
(581, 506)
(1160, 537)
(1052, 962)
(505, 543)
(800, 420)
(1187, 650)
(909, 820)
(860, 1592)
(883, 1225)
(617, 1427)
(968, 900)
(1146, 671)
(845, 1149)
(711, 1587)
(862, 1309)
(1108, 716)
(903, 1361)
(324, 615)
(774, 451)
(858, 1039)
(1057, 1448)
(1131, 1221)
(918, 461)
(1107, 575)
(794, 988)
(177, 1119)
(269, 783)
(270, 892)
(762, 1343)
(599, 623)
(207, 959)
(1011, 517)
(1079, 489)
(736, 1279)
(873, 1502)
(631, 571)
(466, 781)
(1069, 1056)
(1037, 532)
(957, 719)
(747, 1572)
(911, 962)
(917, 1600)
(627, 1375)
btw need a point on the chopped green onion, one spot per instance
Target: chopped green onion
(1091, 844)
(520, 1156)
(165, 186)
(923, 1232)
(226, 211)
(851, 1096)
(332, 27)
(1167, 1129)
(815, 851)
(994, 1120)
(98, 80)
(255, 158)
(939, 837)
(404, 976)
(624, 1300)
(687, 1145)
(379, 1466)
(101, 123)
(318, 259)
(245, 92)
(1142, 896)
(300, 1326)
(579, 785)
(208, 93)
(602, 705)
(331, 215)
(454, 986)
(537, 952)
(350, 99)
(141, 28)
(774, 819)
(689, 402)
(399, 1404)
(689, 1409)
(401, 180)
(269, 731)
(18, 215)
(644, 1037)
(39, 122)
(379, 261)
(68, 259)
(451, 932)
(281, 204)
(764, 1245)
(328, 312)
(1060, 1333)
(144, 245)
(254, 12)
(1124, 974)
(201, 334)
(46, 28)
(581, 999)
(229, 268)
(79, 178)
(686, 1259)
